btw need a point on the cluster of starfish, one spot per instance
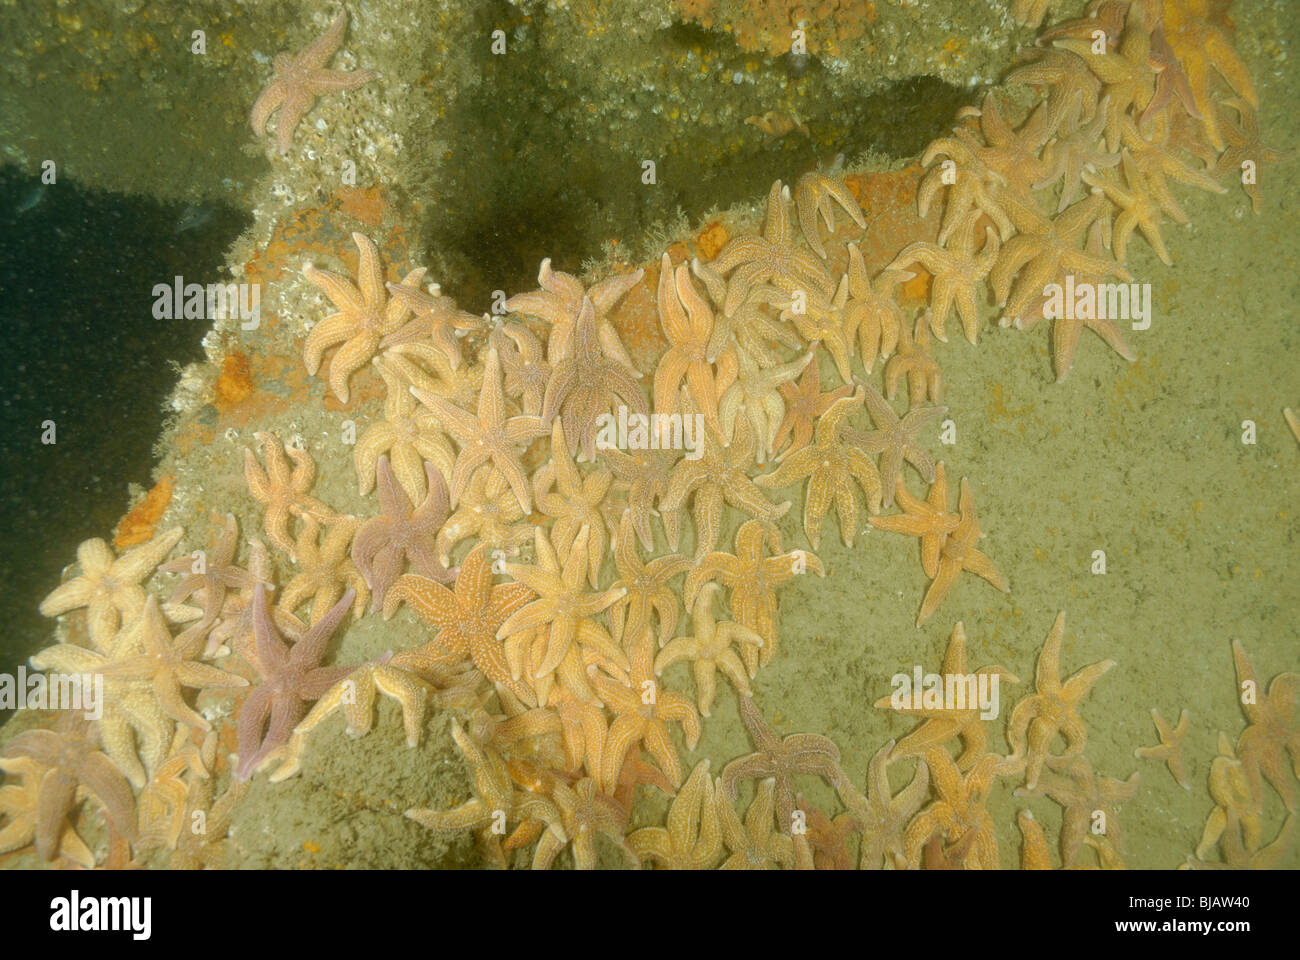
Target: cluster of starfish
(562, 575)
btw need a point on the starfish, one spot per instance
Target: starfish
(1200, 47)
(283, 491)
(409, 434)
(926, 519)
(881, 814)
(958, 553)
(1042, 251)
(1030, 13)
(958, 814)
(873, 320)
(752, 575)
(1272, 730)
(324, 569)
(1074, 149)
(20, 807)
(1090, 801)
(72, 764)
(1244, 147)
(573, 502)
(782, 759)
(943, 723)
(162, 804)
(1129, 80)
(1034, 854)
(645, 474)
(642, 711)
(1235, 822)
(691, 839)
(814, 195)
(709, 650)
(827, 838)
(756, 392)
(645, 587)
(1073, 89)
(586, 384)
(1155, 161)
(1052, 709)
(467, 617)
(169, 664)
(489, 512)
(687, 322)
(751, 325)
(895, 440)
(719, 474)
(291, 678)
(1013, 155)
(820, 322)
(1292, 421)
(383, 544)
(109, 587)
(916, 361)
(584, 812)
(832, 467)
(488, 437)
(975, 190)
(959, 273)
(299, 79)
(210, 574)
(1140, 210)
(524, 364)
(756, 844)
(365, 316)
(564, 607)
(437, 322)
(770, 257)
(559, 303)
(804, 405)
(498, 800)
(1170, 748)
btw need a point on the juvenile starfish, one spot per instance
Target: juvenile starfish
(1052, 709)
(895, 439)
(409, 434)
(916, 361)
(959, 274)
(299, 79)
(804, 405)
(881, 814)
(751, 575)
(109, 587)
(687, 322)
(944, 723)
(467, 617)
(365, 316)
(709, 650)
(720, 473)
(646, 587)
(757, 844)
(832, 467)
(488, 437)
(782, 758)
(814, 195)
(383, 544)
(559, 303)
(73, 764)
(574, 502)
(1089, 800)
(958, 814)
(586, 384)
(324, 569)
(873, 320)
(756, 392)
(488, 512)
(211, 574)
(958, 553)
(691, 839)
(284, 492)
(1170, 748)
(170, 664)
(291, 678)
(1272, 731)
(770, 257)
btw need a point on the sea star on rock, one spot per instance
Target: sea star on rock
(299, 79)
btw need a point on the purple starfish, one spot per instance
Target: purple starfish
(291, 678)
(71, 752)
(384, 543)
